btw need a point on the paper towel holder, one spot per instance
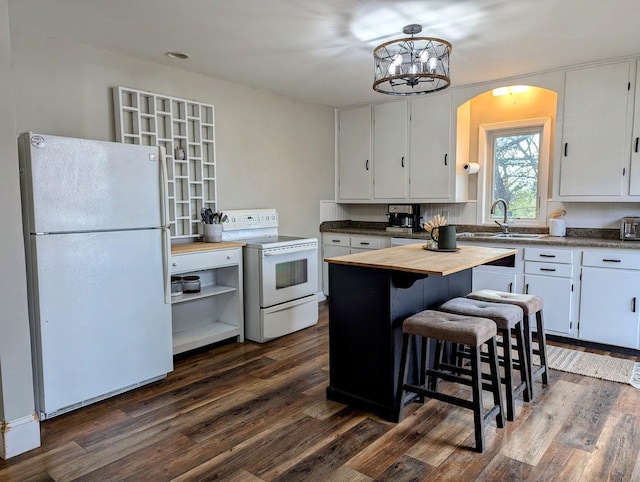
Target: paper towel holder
(471, 167)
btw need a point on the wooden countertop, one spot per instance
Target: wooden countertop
(413, 258)
(184, 248)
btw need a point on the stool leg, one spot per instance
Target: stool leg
(494, 366)
(422, 378)
(526, 325)
(524, 362)
(542, 347)
(402, 378)
(476, 391)
(433, 381)
(508, 372)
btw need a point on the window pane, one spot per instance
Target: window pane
(515, 173)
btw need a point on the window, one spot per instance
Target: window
(515, 156)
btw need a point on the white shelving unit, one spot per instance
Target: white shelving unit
(216, 312)
(185, 128)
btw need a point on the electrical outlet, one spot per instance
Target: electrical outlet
(445, 213)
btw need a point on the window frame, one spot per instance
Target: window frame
(487, 132)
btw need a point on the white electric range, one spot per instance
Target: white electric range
(280, 275)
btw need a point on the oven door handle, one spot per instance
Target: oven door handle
(291, 250)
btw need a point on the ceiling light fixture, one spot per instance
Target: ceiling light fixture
(177, 55)
(413, 65)
(510, 90)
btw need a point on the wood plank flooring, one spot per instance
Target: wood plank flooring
(250, 412)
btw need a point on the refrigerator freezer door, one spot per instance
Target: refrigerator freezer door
(101, 323)
(78, 185)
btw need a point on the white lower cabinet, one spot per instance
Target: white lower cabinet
(549, 273)
(499, 278)
(338, 244)
(216, 312)
(610, 297)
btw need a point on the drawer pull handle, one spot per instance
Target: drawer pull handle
(566, 147)
(446, 159)
(634, 304)
(511, 287)
(402, 161)
(366, 164)
(637, 140)
(335, 240)
(605, 260)
(547, 255)
(526, 289)
(364, 243)
(547, 269)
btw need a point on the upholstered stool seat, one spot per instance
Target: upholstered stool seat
(508, 320)
(531, 305)
(472, 332)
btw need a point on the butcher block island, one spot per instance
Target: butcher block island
(370, 294)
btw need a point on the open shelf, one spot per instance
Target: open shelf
(205, 291)
(202, 335)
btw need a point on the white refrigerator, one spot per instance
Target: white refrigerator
(97, 243)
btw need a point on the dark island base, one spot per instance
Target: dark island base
(366, 309)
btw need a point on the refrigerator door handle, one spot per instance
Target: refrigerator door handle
(166, 251)
(164, 181)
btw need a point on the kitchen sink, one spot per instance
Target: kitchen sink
(481, 234)
(520, 235)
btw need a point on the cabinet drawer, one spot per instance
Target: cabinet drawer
(548, 269)
(333, 239)
(548, 255)
(611, 259)
(369, 242)
(183, 263)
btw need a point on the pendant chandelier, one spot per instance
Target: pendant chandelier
(413, 65)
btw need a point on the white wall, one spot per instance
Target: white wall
(16, 385)
(272, 151)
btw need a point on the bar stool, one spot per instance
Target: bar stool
(508, 320)
(469, 331)
(530, 304)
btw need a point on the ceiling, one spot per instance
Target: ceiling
(321, 50)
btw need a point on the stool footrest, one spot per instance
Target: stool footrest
(443, 397)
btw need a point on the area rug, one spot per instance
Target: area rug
(592, 365)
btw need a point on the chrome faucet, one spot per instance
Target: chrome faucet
(504, 224)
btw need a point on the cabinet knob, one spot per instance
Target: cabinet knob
(175, 264)
(228, 257)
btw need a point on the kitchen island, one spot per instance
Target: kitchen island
(371, 293)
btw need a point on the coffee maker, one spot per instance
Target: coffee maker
(403, 218)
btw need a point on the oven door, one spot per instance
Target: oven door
(288, 273)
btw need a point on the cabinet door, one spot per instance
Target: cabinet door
(494, 278)
(609, 306)
(329, 252)
(390, 151)
(634, 174)
(558, 300)
(595, 132)
(354, 154)
(430, 133)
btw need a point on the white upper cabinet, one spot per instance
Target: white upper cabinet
(354, 154)
(390, 169)
(430, 170)
(594, 157)
(634, 169)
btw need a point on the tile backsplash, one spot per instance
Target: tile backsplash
(579, 215)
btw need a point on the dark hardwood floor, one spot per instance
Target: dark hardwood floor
(250, 412)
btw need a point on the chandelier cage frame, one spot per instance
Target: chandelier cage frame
(412, 65)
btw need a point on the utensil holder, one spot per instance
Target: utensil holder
(212, 233)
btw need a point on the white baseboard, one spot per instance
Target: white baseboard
(19, 436)
(321, 296)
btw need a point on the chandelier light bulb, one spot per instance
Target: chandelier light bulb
(432, 64)
(424, 56)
